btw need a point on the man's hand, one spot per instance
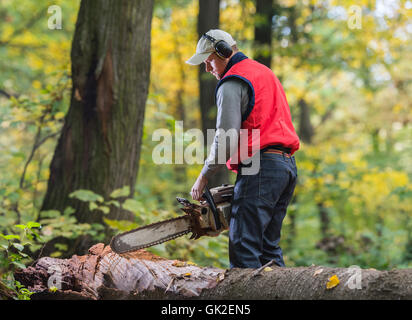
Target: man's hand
(198, 187)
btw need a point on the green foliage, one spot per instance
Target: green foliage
(95, 201)
(86, 195)
(122, 192)
(22, 292)
(12, 245)
(12, 256)
(65, 224)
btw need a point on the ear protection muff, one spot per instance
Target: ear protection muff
(221, 47)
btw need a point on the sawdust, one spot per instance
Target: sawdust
(142, 255)
(97, 249)
(101, 250)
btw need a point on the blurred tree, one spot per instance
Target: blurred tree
(99, 148)
(208, 18)
(265, 10)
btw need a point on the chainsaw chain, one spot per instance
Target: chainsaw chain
(174, 236)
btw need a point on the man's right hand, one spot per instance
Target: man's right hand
(198, 187)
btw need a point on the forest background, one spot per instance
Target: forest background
(346, 70)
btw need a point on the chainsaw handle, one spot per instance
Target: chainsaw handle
(209, 199)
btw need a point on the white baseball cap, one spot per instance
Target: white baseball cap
(205, 47)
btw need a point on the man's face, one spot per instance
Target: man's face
(215, 65)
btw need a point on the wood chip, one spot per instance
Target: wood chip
(319, 271)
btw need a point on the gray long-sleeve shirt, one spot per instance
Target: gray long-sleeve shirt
(232, 100)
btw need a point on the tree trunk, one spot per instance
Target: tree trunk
(103, 274)
(99, 148)
(306, 130)
(208, 18)
(263, 31)
(180, 169)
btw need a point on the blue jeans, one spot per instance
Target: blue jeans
(258, 208)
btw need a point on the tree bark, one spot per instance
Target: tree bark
(103, 274)
(208, 18)
(99, 148)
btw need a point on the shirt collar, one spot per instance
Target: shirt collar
(237, 57)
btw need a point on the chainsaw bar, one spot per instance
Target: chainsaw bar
(151, 234)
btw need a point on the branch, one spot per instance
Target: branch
(24, 46)
(36, 145)
(8, 95)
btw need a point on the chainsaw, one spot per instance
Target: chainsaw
(210, 218)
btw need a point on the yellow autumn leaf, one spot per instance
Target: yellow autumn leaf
(53, 289)
(267, 269)
(220, 277)
(36, 84)
(59, 115)
(333, 282)
(178, 264)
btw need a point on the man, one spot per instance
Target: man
(250, 97)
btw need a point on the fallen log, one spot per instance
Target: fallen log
(102, 274)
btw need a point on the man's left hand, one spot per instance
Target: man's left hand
(198, 187)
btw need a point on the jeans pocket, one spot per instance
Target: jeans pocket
(240, 189)
(272, 184)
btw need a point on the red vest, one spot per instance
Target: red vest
(268, 110)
